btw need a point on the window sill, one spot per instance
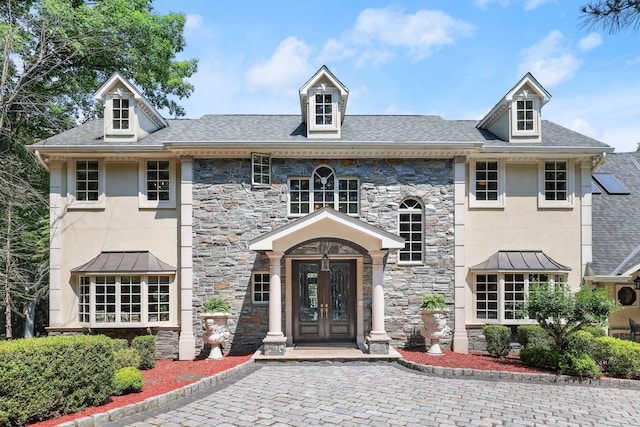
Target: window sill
(99, 205)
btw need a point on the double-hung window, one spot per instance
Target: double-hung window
(120, 113)
(555, 184)
(157, 183)
(500, 297)
(525, 118)
(410, 224)
(85, 178)
(324, 189)
(487, 183)
(261, 170)
(127, 300)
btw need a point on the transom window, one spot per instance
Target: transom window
(124, 300)
(120, 113)
(324, 109)
(261, 167)
(87, 180)
(158, 180)
(324, 189)
(260, 289)
(525, 115)
(555, 180)
(410, 223)
(500, 297)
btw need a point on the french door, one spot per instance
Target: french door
(324, 301)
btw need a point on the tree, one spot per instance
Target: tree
(612, 15)
(54, 54)
(563, 313)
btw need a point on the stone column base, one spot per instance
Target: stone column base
(274, 345)
(378, 344)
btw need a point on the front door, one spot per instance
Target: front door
(324, 301)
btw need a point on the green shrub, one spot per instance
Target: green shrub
(539, 357)
(580, 365)
(146, 346)
(594, 330)
(42, 378)
(127, 357)
(580, 343)
(433, 302)
(617, 358)
(498, 339)
(534, 336)
(127, 380)
(119, 344)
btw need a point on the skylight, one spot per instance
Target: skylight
(610, 184)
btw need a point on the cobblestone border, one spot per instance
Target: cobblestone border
(157, 401)
(465, 373)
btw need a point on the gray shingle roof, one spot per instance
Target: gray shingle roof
(284, 128)
(616, 218)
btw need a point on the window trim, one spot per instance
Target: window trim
(254, 182)
(501, 200)
(143, 200)
(144, 301)
(557, 204)
(554, 276)
(536, 116)
(263, 292)
(72, 201)
(335, 118)
(109, 116)
(402, 210)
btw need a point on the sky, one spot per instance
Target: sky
(455, 59)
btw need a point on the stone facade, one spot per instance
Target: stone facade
(228, 212)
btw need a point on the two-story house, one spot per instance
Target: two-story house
(315, 227)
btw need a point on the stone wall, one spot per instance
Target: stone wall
(228, 213)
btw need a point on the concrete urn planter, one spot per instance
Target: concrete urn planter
(434, 328)
(216, 332)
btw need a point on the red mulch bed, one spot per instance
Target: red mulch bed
(170, 375)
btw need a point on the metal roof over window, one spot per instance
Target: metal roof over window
(520, 261)
(610, 183)
(124, 262)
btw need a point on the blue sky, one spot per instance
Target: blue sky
(454, 59)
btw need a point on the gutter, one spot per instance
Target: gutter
(42, 161)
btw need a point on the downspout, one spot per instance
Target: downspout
(42, 161)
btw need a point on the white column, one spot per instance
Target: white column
(460, 337)
(378, 339)
(187, 342)
(56, 212)
(586, 219)
(275, 341)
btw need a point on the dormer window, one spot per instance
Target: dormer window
(524, 115)
(120, 113)
(324, 109)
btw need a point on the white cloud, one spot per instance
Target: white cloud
(589, 42)
(193, 21)
(550, 60)
(288, 64)
(379, 33)
(532, 4)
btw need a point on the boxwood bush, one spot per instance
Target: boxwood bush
(146, 346)
(126, 357)
(534, 336)
(617, 358)
(127, 380)
(42, 378)
(581, 365)
(498, 339)
(540, 357)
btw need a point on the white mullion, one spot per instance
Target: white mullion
(144, 300)
(501, 297)
(118, 285)
(92, 301)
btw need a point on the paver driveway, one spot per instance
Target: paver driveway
(385, 394)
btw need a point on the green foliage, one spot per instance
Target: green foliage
(617, 358)
(580, 343)
(540, 357)
(433, 302)
(595, 331)
(216, 305)
(563, 313)
(126, 357)
(498, 340)
(146, 347)
(127, 380)
(580, 365)
(41, 378)
(119, 344)
(534, 336)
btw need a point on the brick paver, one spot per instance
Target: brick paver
(385, 394)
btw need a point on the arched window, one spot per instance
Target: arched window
(410, 224)
(324, 189)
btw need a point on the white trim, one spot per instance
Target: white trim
(143, 201)
(72, 202)
(335, 117)
(570, 190)
(410, 211)
(253, 173)
(253, 287)
(535, 119)
(494, 204)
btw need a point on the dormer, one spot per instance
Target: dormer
(323, 100)
(128, 115)
(516, 118)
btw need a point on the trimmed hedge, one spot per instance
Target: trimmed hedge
(580, 365)
(540, 357)
(146, 346)
(617, 358)
(42, 378)
(127, 380)
(126, 357)
(498, 339)
(534, 336)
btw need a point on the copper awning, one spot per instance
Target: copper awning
(124, 262)
(520, 261)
